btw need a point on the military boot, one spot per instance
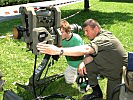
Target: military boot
(96, 94)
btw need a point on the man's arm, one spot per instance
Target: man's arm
(72, 51)
(81, 67)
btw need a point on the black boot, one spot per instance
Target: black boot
(97, 93)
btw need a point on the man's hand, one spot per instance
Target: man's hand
(82, 69)
(48, 49)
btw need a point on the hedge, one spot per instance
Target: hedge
(15, 2)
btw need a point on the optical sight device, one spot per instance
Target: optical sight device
(40, 25)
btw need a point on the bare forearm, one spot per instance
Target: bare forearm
(72, 51)
(87, 60)
(76, 51)
(81, 67)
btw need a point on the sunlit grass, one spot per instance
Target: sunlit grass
(17, 64)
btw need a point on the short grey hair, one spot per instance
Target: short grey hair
(92, 23)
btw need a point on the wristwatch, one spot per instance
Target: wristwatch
(61, 52)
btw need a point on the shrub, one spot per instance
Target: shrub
(3, 2)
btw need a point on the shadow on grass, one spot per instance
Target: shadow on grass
(102, 17)
(124, 1)
(57, 87)
(7, 26)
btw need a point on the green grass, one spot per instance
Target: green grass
(17, 64)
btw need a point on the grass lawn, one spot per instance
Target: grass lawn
(17, 64)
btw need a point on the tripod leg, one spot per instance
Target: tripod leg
(40, 69)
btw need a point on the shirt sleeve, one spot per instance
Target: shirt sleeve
(100, 43)
(78, 40)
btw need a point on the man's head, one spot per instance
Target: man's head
(91, 28)
(65, 28)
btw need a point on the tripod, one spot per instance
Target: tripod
(35, 81)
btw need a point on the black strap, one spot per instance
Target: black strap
(34, 91)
